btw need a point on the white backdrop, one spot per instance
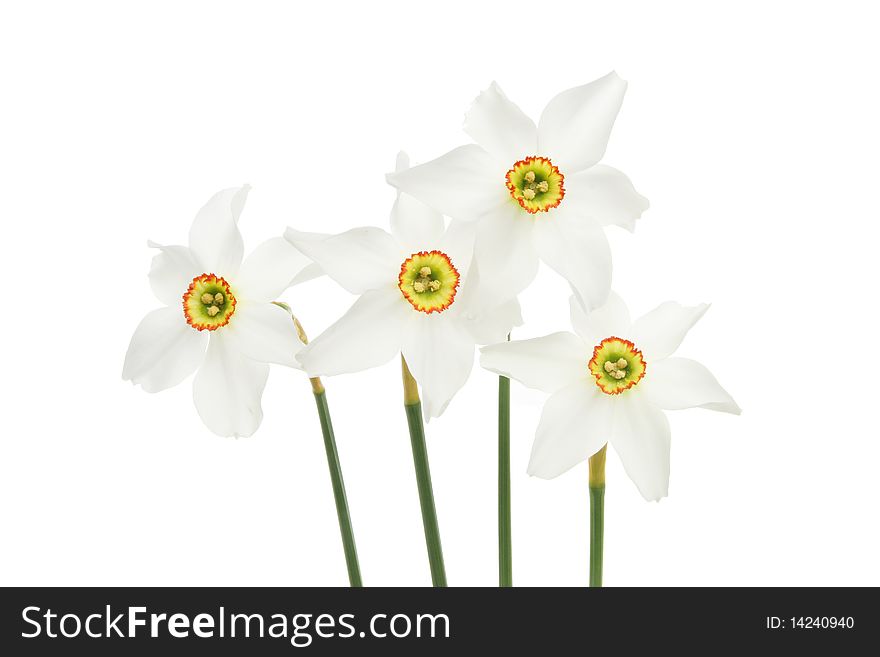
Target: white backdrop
(753, 131)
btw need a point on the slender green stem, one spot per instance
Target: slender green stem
(505, 550)
(597, 531)
(348, 544)
(413, 406)
(342, 514)
(597, 515)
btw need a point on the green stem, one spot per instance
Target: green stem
(597, 515)
(597, 531)
(505, 550)
(348, 544)
(413, 406)
(342, 514)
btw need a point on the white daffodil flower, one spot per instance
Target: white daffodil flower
(610, 383)
(417, 286)
(218, 318)
(536, 191)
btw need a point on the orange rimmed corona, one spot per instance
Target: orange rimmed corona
(536, 184)
(617, 365)
(429, 281)
(208, 303)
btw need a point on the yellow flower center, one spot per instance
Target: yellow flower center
(617, 365)
(536, 184)
(208, 303)
(429, 281)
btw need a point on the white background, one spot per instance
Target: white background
(753, 131)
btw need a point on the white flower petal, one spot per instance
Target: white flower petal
(470, 296)
(501, 127)
(440, 355)
(660, 332)
(505, 255)
(577, 249)
(369, 334)
(228, 389)
(413, 224)
(548, 363)
(360, 259)
(310, 271)
(575, 424)
(465, 183)
(164, 350)
(642, 439)
(458, 243)
(264, 332)
(574, 128)
(609, 319)
(676, 383)
(606, 195)
(494, 325)
(171, 272)
(214, 237)
(269, 270)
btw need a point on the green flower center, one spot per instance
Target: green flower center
(536, 184)
(429, 281)
(208, 303)
(617, 365)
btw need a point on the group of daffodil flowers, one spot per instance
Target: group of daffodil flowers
(467, 232)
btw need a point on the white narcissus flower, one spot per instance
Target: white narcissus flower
(416, 288)
(218, 317)
(610, 383)
(536, 191)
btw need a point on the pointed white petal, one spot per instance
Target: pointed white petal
(369, 334)
(458, 243)
(228, 389)
(440, 355)
(401, 163)
(264, 332)
(505, 255)
(642, 439)
(360, 259)
(575, 424)
(575, 126)
(548, 363)
(577, 249)
(676, 383)
(164, 350)
(494, 325)
(308, 272)
(413, 224)
(659, 333)
(465, 183)
(214, 237)
(609, 319)
(501, 127)
(269, 270)
(606, 195)
(471, 298)
(171, 272)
